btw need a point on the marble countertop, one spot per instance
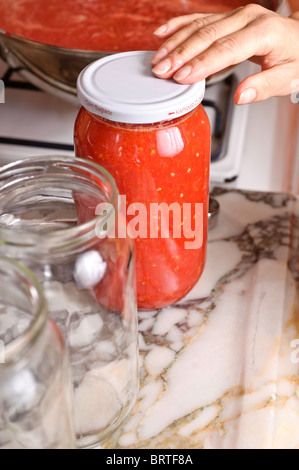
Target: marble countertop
(220, 368)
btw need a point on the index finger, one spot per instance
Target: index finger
(175, 24)
(183, 34)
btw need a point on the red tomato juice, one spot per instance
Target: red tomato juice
(164, 162)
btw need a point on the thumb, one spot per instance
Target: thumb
(263, 85)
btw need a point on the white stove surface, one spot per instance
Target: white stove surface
(250, 147)
(34, 115)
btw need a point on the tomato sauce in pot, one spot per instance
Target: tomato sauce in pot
(102, 25)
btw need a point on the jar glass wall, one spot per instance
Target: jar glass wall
(48, 220)
(35, 387)
(162, 169)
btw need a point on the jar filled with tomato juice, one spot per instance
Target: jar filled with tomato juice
(153, 136)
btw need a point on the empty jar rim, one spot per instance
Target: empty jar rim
(17, 179)
(19, 289)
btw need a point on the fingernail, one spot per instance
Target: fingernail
(183, 73)
(162, 67)
(247, 96)
(161, 30)
(160, 54)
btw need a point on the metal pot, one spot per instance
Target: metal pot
(55, 69)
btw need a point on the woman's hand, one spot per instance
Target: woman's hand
(200, 45)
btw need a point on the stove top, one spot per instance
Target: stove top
(33, 122)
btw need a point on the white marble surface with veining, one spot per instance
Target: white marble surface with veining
(221, 368)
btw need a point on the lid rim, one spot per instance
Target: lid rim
(155, 101)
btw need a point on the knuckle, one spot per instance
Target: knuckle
(208, 33)
(252, 9)
(169, 45)
(266, 20)
(271, 26)
(227, 44)
(265, 90)
(178, 55)
(181, 20)
(199, 22)
(267, 86)
(196, 62)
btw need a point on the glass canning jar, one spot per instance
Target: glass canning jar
(153, 136)
(35, 387)
(48, 220)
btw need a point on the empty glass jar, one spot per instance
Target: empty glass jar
(35, 388)
(59, 215)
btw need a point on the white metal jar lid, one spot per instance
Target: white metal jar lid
(122, 88)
